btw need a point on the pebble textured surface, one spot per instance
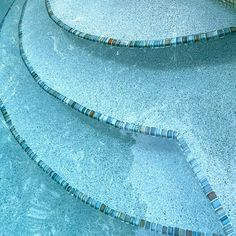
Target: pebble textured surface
(81, 150)
(190, 89)
(33, 205)
(143, 24)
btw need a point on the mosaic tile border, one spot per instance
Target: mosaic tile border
(162, 43)
(153, 131)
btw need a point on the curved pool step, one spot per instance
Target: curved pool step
(34, 205)
(101, 161)
(183, 78)
(155, 24)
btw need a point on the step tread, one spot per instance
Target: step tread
(141, 23)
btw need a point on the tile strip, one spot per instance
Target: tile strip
(160, 43)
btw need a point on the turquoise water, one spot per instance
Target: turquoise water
(142, 176)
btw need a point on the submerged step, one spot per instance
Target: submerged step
(190, 89)
(154, 24)
(139, 175)
(30, 204)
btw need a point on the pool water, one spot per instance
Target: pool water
(149, 182)
(5, 4)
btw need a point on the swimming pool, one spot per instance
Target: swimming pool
(125, 173)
